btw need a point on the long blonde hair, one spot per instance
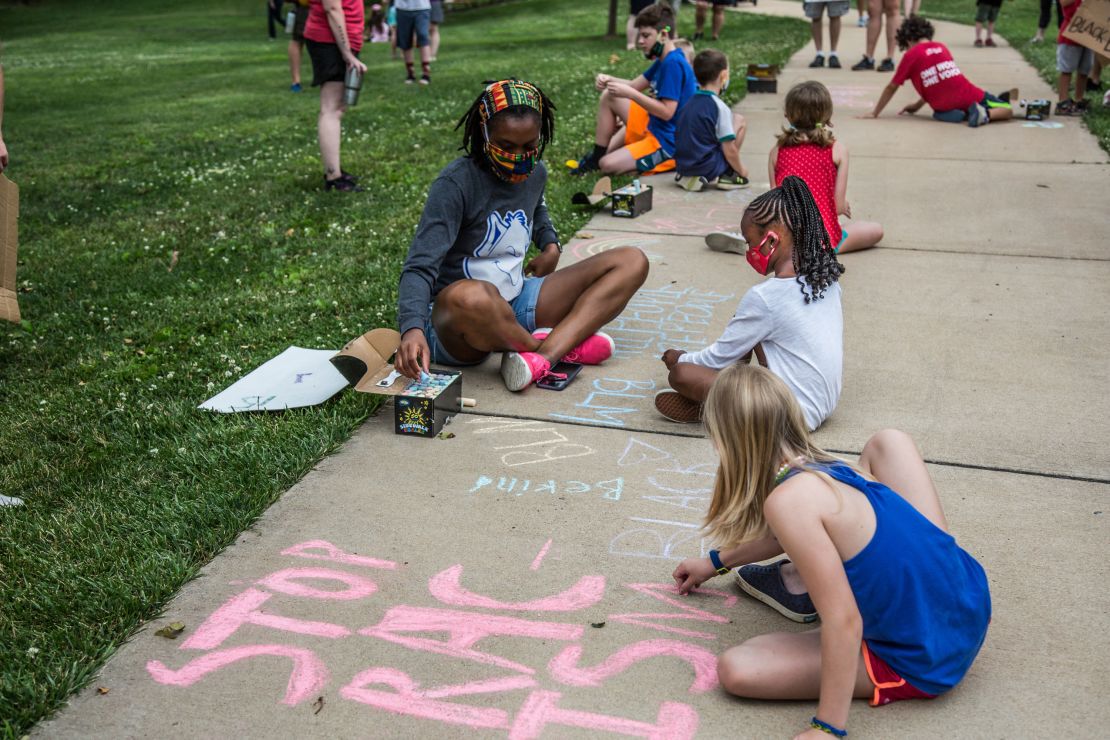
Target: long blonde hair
(809, 109)
(756, 424)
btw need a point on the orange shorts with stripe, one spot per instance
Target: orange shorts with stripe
(642, 145)
(889, 686)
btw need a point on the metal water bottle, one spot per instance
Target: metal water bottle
(290, 21)
(352, 84)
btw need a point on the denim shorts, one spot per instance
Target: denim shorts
(524, 306)
(409, 21)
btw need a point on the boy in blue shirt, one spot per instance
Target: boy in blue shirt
(708, 135)
(635, 132)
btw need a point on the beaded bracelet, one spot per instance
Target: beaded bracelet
(826, 727)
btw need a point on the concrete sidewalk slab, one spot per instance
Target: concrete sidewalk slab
(550, 530)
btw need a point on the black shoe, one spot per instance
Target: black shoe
(425, 80)
(698, 36)
(343, 183)
(862, 64)
(586, 165)
(886, 66)
(1093, 86)
(764, 582)
(818, 61)
(834, 62)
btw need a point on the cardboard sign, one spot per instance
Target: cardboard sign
(9, 241)
(1090, 26)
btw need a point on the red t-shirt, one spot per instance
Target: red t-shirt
(1068, 14)
(316, 28)
(814, 164)
(936, 77)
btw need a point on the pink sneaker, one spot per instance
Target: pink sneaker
(521, 369)
(594, 350)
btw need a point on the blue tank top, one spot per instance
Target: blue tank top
(924, 601)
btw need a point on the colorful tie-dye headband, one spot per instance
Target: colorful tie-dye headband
(507, 94)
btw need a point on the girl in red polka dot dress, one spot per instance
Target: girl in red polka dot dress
(807, 148)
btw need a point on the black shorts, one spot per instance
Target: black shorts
(300, 15)
(638, 5)
(327, 62)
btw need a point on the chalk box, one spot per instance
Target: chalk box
(419, 409)
(628, 203)
(763, 78)
(424, 414)
(1037, 110)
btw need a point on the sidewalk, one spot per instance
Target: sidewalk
(518, 574)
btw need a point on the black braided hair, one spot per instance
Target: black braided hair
(474, 141)
(792, 205)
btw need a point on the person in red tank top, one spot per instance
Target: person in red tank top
(808, 149)
(929, 66)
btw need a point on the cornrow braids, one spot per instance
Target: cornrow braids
(472, 122)
(815, 261)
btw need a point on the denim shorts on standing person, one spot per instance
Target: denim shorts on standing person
(524, 307)
(409, 21)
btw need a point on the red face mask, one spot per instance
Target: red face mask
(762, 262)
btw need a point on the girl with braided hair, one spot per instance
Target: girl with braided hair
(791, 322)
(465, 288)
(808, 148)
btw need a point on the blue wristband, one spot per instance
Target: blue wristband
(826, 727)
(715, 558)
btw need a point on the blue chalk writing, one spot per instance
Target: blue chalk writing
(610, 490)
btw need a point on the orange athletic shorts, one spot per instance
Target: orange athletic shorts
(642, 144)
(889, 686)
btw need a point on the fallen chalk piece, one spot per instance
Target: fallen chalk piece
(468, 402)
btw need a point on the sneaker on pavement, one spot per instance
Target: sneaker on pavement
(989, 42)
(978, 43)
(862, 22)
(594, 350)
(834, 61)
(521, 369)
(726, 241)
(692, 183)
(818, 61)
(977, 115)
(763, 581)
(732, 181)
(864, 63)
(677, 407)
(1066, 108)
(886, 66)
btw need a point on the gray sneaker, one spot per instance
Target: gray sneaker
(692, 183)
(764, 582)
(726, 241)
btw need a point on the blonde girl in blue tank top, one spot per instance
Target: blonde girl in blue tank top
(904, 610)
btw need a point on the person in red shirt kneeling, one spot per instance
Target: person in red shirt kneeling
(938, 81)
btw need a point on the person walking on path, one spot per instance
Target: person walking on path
(986, 13)
(465, 290)
(414, 17)
(836, 9)
(904, 609)
(333, 33)
(878, 10)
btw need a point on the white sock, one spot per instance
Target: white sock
(821, 54)
(832, 53)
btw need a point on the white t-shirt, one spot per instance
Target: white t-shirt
(803, 342)
(413, 5)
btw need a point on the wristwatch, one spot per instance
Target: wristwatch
(715, 558)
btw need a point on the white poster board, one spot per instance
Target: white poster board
(295, 378)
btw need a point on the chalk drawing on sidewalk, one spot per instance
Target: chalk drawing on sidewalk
(609, 490)
(520, 699)
(542, 442)
(581, 249)
(540, 556)
(1042, 124)
(657, 319)
(610, 401)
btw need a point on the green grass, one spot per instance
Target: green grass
(1017, 23)
(138, 129)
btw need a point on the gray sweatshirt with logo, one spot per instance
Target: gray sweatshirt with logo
(474, 226)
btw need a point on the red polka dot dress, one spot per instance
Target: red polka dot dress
(814, 164)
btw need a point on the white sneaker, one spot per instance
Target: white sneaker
(863, 19)
(692, 183)
(726, 241)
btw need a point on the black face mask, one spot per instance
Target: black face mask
(655, 51)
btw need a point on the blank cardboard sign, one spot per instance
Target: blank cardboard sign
(9, 238)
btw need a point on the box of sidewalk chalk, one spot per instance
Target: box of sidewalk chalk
(763, 78)
(631, 200)
(420, 407)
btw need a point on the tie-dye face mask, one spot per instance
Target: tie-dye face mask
(513, 168)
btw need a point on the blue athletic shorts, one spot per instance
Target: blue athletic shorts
(524, 306)
(410, 21)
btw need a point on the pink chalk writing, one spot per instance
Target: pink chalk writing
(675, 721)
(307, 679)
(286, 582)
(446, 588)
(408, 699)
(335, 555)
(564, 666)
(465, 629)
(243, 609)
(540, 556)
(658, 591)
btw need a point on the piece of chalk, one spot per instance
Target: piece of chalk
(572, 164)
(424, 377)
(468, 402)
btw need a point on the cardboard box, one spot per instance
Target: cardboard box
(630, 201)
(1090, 26)
(418, 409)
(9, 242)
(763, 78)
(1037, 110)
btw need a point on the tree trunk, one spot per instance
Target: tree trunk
(612, 18)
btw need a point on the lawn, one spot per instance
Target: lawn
(1017, 23)
(174, 235)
